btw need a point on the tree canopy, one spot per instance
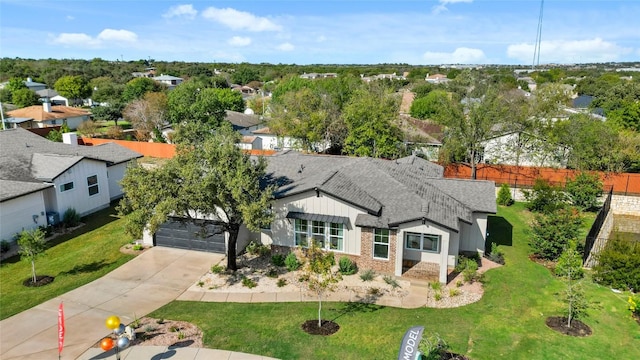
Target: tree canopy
(215, 178)
(73, 87)
(136, 88)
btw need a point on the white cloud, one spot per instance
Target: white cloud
(442, 6)
(75, 39)
(239, 41)
(117, 35)
(569, 51)
(321, 38)
(186, 11)
(105, 36)
(69, 17)
(461, 55)
(240, 20)
(285, 47)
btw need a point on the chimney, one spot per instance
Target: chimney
(46, 105)
(70, 138)
(29, 79)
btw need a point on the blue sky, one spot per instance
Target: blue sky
(322, 32)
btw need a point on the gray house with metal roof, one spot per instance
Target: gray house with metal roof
(398, 217)
(41, 179)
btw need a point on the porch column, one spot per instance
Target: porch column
(399, 253)
(444, 258)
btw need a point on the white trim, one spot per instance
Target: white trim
(388, 244)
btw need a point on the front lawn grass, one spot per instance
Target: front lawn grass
(508, 322)
(74, 259)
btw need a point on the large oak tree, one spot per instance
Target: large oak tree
(215, 178)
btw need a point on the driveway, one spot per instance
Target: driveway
(144, 284)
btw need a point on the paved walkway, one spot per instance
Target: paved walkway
(142, 285)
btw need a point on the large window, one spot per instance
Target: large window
(329, 236)
(66, 187)
(381, 243)
(92, 183)
(422, 242)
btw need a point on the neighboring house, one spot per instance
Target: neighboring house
(148, 72)
(272, 141)
(243, 123)
(30, 84)
(41, 179)
(436, 79)
(521, 149)
(250, 143)
(170, 81)
(398, 217)
(46, 115)
(312, 76)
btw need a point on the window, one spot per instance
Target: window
(328, 236)
(92, 183)
(66, 187)
(301, 233)
(422, 242)
(381, 243)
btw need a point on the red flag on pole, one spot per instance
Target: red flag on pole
(60, 329)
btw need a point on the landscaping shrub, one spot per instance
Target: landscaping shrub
(391, 281)
(544, 197)
(496, 254)
(504, 195)
(584, 190)
(281, 282)
(71, 217)
(634, 305)
(291, 262)
(277, 259)
(552, 232)
(347, 267)
(469, 270)
(217, 269)
(248, 282)
(570, 263)
(368, 275)
(619, 264)
(257, 249)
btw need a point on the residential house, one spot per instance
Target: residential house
(170, 81)
(397, 217)
(250, 143)
(45, 115)
(436, 79)
(245, 124)
(148, 72)
(41, 179)
(313, 76)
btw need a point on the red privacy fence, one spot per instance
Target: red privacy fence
(158, 150)
(522, 176)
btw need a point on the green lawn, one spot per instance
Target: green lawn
(74, 259)
(507, 323)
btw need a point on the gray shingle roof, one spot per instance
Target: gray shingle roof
(13, 189)
(391, 192)
(240, 120)
(27, 157)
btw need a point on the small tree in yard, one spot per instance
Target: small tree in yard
(504, 195)
(573, 297)
(552, 232)
(319, 274)
(32, 245)
(570, 263)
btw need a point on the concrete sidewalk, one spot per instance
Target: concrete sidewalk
(142, 285)
(173, 353)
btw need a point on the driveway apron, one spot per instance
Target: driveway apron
(147, 282)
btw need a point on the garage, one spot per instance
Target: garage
(204, 235)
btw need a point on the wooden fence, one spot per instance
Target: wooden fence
(158, 150)
(522, 176)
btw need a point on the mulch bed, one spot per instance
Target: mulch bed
(328, 327)
(559, 324)
(452, 356)
(41, 280)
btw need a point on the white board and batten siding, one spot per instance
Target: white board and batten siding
(115, 173)
(26, 212)
(282, 229)
(474, 235)
(78, 197)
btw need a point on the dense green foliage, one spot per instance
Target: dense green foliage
(73, 87)
(24, 97)
(544, 197)
(552, 232)
(584, 190)
(619, 264)
(570, 263)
